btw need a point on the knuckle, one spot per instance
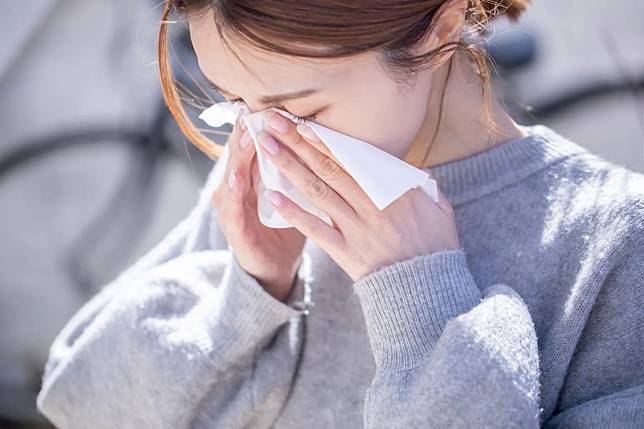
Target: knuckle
(285, 160)
(317, 189)
(311, 229)
(293, 138)
(328, 168)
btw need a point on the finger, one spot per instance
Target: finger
(310, 137)
(245, 154)
(443, 202)
(288, 132)
(233, 145)
(234, 177)
(242, 149)
(319, 162)
(311, 186)
(324, 235)
(254, 172)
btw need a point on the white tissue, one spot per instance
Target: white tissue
(382, 176)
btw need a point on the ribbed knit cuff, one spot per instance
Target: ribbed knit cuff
(407, 304)
(248, 311)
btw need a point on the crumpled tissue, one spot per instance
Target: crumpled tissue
(382, 176)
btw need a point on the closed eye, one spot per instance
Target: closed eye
(296, 118)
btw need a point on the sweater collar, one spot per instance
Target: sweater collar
(484, 172)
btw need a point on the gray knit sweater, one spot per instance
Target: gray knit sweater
(536, 321)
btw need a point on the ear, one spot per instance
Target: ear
(446, 27)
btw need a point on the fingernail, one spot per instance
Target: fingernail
(306, 132)
(243, 124)
(277, 122)
(275, 197)
(245, 139)
(231, 178)
(269, 143)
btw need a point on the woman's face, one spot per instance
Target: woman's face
(352, 95)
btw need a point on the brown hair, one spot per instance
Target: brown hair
(389, 27)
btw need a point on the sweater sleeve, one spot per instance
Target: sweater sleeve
(182, 346)
(447, 354)
(185, 337)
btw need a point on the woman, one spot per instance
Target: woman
(516, 301)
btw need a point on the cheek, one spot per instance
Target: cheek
(381, 115)
(393, 125)
(390, 125)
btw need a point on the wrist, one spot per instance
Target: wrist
(280, 289)
(407, 304)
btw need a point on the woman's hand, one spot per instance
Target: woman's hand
(270, 255)
(363, 238)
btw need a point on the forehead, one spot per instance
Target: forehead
(264, 72)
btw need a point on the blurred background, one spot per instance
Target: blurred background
(93, 171)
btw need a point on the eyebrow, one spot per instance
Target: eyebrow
(268, 100)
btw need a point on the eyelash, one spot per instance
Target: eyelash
(297, 119)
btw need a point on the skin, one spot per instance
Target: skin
(400, 121)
